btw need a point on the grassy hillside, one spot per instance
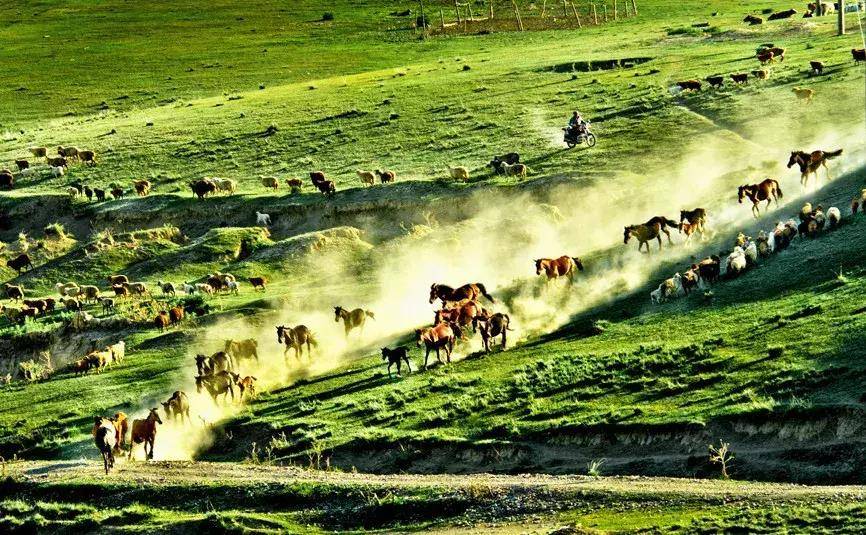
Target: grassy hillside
(595, 378)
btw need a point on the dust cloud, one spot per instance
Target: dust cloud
(497, 247)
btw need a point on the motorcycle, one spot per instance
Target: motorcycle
(572, 138)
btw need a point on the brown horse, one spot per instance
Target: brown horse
(442, 336)
(564, 266)
(652, 229)
(493, 326)
(462, 315)
(218, 384)
(768, 190)
(467, 292)
(696, 218)
(144, 431)
(809, 163)
(354, 319)
(295, 338)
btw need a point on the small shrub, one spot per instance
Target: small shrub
(328, 15)
(775, 352)
(593, 467)
(55, 231)
(722, 455)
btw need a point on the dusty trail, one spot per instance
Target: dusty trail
(167, 473)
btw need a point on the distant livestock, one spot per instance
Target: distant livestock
(14, 293)
(258, 282)
(761, 74)
(105, 438)
(817, 67)
(367, 177)
(492, 326)
(20, 263)
(22, 164)
(458, 173)
(142, 187)
(263, 220)
(58, 161)
(689, 85)
(270, 182)
(788, 13)
(57, 171)
(497, 162)
(396, 356)
(716, 81)
(7, 180)
(39, 152)
(202, 188)
(295, 184)
(324, 185)
(753, 20)
(859, 54)
(740, 78)
(87, 157)
(385, 176)
(518, 169)
(765, 57)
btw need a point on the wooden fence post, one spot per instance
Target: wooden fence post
(615, 14)
(594, 14)
(517, 15)
(576, 16)
(604, 10)
(634, 7)
(457, 11)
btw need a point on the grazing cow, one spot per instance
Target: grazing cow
(295, 338)
(13, 293)
(804, 94)
(788, 13)
(740, 78)
(689, 85)
(161, 321)
(22, 164)
(493, 326)
(817, 67)
(258, 282)
(458, 173)
(144, 431)
(7, 180)
(168, 288)
(175, 314)
(352, 319)
(201, 188)
(367, 177)
(753, 20)
(397, 356)
(177, 405)
(142, 187)
(263, 220)
(105, 437)
(716, 81)
(467, 292)
(218, 384)
(20, 262)
(242, 349)
(270, 182)
(441, 336)
(859, 54)
(385, 176)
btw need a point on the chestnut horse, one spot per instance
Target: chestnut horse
(462, 315)
(442, 336)
(809, 163)
(295, 338)
(467, 292)
(564, 266)
(652, 229)
(768, 190)
(354, 319)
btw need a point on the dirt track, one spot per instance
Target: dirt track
(179, 473)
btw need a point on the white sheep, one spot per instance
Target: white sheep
(458, 173)
(736, 262)
(751, 252)
(73, 192)
(834, 216)
(233, 287)
(656, 295)
(263, 220)
(58, 170)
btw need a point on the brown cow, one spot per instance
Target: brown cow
(144, 431)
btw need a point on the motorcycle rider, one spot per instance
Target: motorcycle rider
(576, 125)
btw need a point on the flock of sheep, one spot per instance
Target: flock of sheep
(747, 251)
(56, 164)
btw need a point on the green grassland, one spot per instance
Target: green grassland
(771, 362)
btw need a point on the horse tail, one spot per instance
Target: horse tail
(484, 292)
(372, 316)
(507, 323)
(312, 340)
(669, 223)
(828, 155)
(778, 188)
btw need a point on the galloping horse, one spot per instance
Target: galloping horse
(462, 315)
(809, 163)
(295, 338)
(441, 336)
(652, 229)
(564, 266)
(467, 292)
(768, 190)
(353, 319)
(697, 220)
